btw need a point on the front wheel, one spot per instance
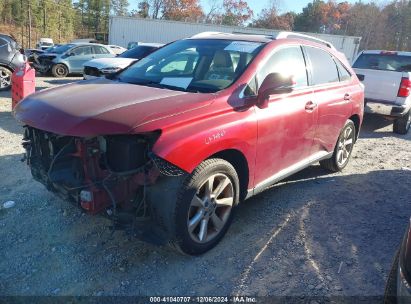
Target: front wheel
(203, 210)
(342, 150)
(5, 78)
(402, 124)
(59, 70)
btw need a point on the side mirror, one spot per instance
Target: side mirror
(274, 83)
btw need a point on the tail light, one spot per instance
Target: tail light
(405, 87)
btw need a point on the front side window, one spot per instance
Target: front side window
(323, 67)
(62, 48)
(199, 65)
(288, 61)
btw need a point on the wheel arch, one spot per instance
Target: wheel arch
(238, 160)
(7, 67)
(357, 123)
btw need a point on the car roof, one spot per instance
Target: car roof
(87, 44)
(7, 37)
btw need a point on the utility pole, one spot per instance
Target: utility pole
(44, 17)
(22, 27)
(29, 24)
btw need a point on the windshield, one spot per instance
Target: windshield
(389, 62)
(137, 52)
(193, 65)
(61, 49)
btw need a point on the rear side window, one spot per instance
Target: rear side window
(323, 67)
(342, 71)
(100, 50)
(286, 61)
(384, 62)
(82, 50)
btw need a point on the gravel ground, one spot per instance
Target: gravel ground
(314, 234)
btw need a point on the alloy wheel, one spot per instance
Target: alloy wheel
(5, 78)
(345, 146)
(210, 208)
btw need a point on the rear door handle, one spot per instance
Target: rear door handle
(310, 106)
(347, 96)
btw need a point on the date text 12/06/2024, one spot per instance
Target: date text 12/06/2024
(232, 299)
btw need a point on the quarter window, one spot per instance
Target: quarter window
(342, 71)
(100, 50)
(323, 67)
(287, 61)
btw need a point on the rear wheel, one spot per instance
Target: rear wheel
(402, 124)
(5, 78)
(342, 150)
(204, 206)
(59, 70)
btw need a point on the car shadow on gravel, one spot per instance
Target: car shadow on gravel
(323, 235)
(376, 126)
(314, 234)
(9, 124)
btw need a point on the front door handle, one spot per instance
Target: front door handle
(310, 106)
(347, 96)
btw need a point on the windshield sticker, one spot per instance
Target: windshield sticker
(242, 46)
(179, 82)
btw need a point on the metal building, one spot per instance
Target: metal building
(123, 30)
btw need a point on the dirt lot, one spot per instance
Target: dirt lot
(315, 234)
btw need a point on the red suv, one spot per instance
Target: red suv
(182, 136)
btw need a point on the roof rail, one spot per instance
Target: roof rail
(205, 34)
(283, 35)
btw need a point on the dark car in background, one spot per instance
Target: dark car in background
(11, 57)
(398, 289)
(103, 66)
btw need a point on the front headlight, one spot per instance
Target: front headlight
(110, 70)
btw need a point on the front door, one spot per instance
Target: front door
(287, 126)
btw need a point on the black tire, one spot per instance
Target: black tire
(334, 164)
(5, 78)
(59, 70)
(390, 294)
(402, 125)
(183, 240)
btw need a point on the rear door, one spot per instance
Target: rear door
(287, 126)
(331, 96)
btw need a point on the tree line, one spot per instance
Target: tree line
(386, 26)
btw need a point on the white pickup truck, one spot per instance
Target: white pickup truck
(386, 76)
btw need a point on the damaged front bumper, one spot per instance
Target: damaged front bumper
(100, 173)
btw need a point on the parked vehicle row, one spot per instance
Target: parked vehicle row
(11, 58)
(70, 58)
(105, 66)
(172, 139)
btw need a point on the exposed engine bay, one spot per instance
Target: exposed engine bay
(100, 173)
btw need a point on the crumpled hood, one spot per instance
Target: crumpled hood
(103, 106)
(115, 62)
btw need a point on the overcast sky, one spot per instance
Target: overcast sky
(258, 5)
